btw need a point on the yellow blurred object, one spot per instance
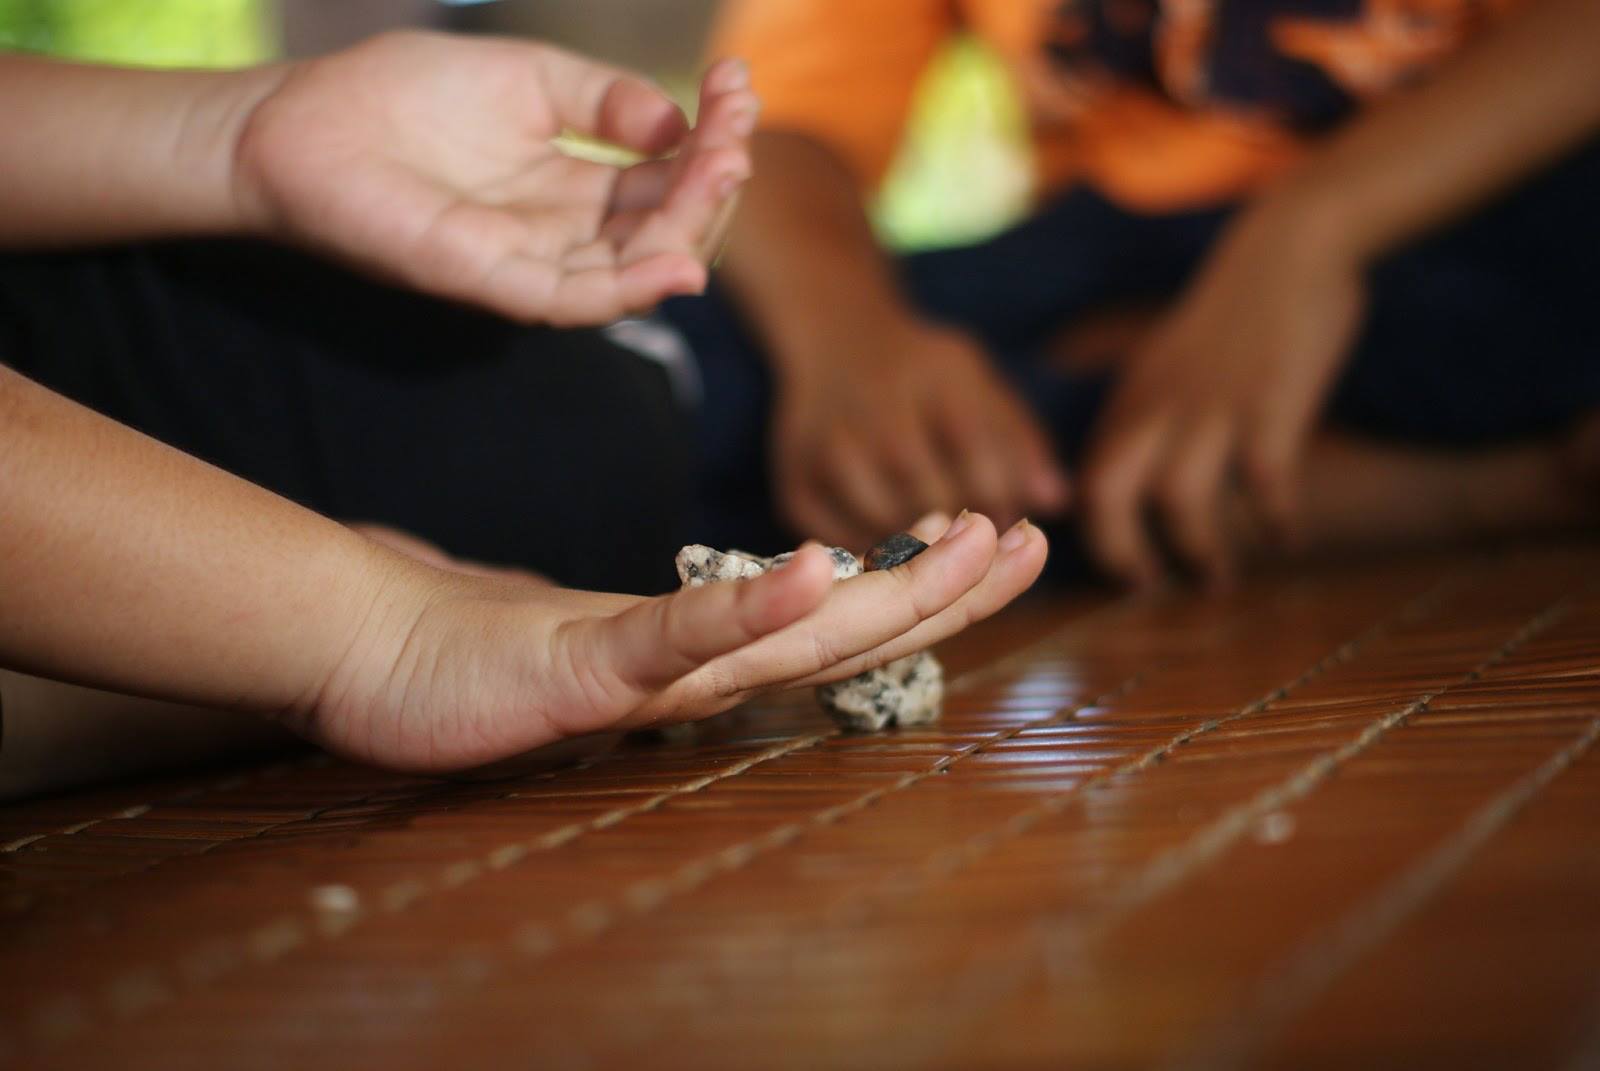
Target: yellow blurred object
(964, 169)
(151, 33)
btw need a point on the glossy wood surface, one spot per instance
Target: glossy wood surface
(1347, 817)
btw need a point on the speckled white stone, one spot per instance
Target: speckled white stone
(699, 565)
(907, 691)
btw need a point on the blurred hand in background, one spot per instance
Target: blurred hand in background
(1229, 383)
(892, 424)
(1232, 383)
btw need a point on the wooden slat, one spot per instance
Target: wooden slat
(1345, 817)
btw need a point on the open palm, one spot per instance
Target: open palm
(488, 666)
(430, 159)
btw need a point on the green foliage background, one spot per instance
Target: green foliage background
(964, 169)
(157, 33)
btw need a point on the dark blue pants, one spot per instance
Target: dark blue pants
(551, 449)
(1485, 333)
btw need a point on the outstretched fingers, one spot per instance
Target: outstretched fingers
(644, 649)
(608, 103)
(860, 616)
(701, 186)
(1017, 564)
(728, 107)
(726, 119)
(1121, 464)
(693, 209)
(663, 218)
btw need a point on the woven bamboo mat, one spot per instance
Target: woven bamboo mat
(1347, 818)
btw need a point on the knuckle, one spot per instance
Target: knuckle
(922, 601)
(721, 682)
(673, 625)
(726, 157)
(824, 650)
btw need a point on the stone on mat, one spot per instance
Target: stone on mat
(907, 691)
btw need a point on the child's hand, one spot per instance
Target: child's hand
(895, 423)
(453, 670)
(1230, 383)
(428, 159)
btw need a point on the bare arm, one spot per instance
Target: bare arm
(838, 78)
(136, 568)
(129, 565)
(1503, 110)
(100, 154)
(424, 158)
(804, 244)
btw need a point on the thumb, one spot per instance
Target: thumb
(647, 647)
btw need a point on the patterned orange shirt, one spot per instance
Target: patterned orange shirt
(1159, 104)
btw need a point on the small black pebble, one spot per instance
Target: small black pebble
(896, 550)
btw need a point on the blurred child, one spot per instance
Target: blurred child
(1276, 241)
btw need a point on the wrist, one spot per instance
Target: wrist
(845, 344)
(216, 129)
(381, 597)
(1311, 217)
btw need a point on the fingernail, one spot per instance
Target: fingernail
(1016, 538)
(728, 185)
(738, 74)
(962, 522)
(744, 124)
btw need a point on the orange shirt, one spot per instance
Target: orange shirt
(1159, 104)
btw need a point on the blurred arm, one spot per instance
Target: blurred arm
(90, 154)
(1506, 107)
(1234, 377)
(804, 262)
(836, 78)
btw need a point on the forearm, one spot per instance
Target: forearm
(1508, 106)
(93, 154)
(130, 566)
(803, 261)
